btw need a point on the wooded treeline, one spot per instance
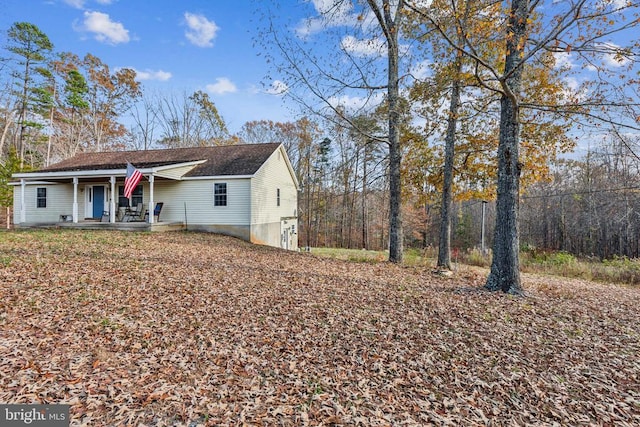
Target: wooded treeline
(591, 207)
(450, 125)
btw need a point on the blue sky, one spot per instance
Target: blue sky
(175, 46)
(210, 45)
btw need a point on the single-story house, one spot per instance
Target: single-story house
(248, 191)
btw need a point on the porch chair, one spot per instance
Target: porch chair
(132, 215)
(156, 212)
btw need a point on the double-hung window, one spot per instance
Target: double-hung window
(41, 197)
(220, 194)
(136, 196)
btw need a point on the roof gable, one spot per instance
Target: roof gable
(242, 159)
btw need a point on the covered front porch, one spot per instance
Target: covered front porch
(89, 196)
(120, 226)
(92, 198)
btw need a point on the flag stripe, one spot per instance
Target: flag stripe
(131, 181)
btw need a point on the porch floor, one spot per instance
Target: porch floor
(97, 225)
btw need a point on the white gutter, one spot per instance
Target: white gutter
(216, 177)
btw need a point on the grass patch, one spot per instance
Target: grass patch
(620, 270)
(353, 255)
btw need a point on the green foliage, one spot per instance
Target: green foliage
(553, 258)
(10, 166)
(353, 255)
(620, 270)
(622, 262)
(76, 90)
(29, 42)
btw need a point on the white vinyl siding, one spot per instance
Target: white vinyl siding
(59, 202)
(273, 175)
(198, 197)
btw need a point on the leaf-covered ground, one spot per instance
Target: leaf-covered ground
(198, 329)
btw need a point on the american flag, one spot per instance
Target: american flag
(131, 181)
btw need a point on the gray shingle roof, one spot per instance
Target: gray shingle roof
(242, 159)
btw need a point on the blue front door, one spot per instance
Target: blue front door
(98, 201)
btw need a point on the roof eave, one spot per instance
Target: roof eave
(100, 173)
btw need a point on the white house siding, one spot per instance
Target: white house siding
(59, 202)
(267, 218)
(201, 214)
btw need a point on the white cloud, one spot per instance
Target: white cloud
(616, 4)
(147, 74)
(421, 70)
(221, 86)
(104, 29)
(370, 47)
(422, 4)
(613, 58)
(356, 103)
(201, 31)
(78, 4)
(278, 87)
(324, 7)
(574, 91)
(330, 14)
(563, 60)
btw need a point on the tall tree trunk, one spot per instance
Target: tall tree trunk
(308, 194)
(444, 246)
(396, 245)
(505, 267)
(389, 25)
(364, 198)
(5, 130)
(23, 112)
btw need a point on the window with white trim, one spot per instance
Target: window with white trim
(41, 197)
(278, 197)
(136, 196)
(220, 194)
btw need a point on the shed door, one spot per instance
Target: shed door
(284, 234)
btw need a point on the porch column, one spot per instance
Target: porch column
(75, 199)
(152, 204)
(112, 209)
(23, 208)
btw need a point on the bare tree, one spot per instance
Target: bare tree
(190, 121)
(145, 118)
(330, 86)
